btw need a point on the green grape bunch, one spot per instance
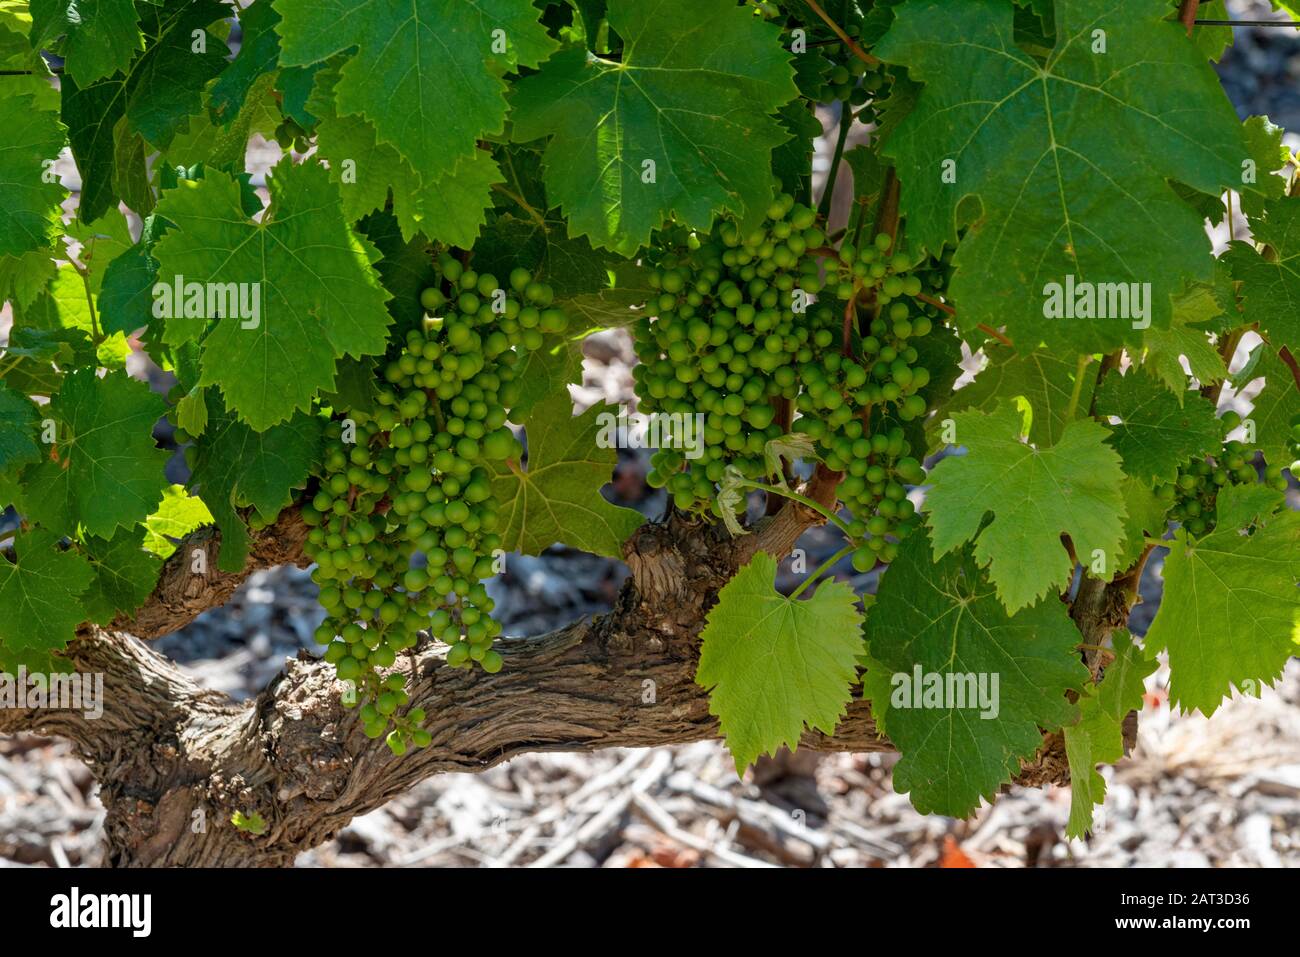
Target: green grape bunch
(836, 73)
(736, 335)
(733, 319)
(1193, 496)
(856, 407)
(404, 525)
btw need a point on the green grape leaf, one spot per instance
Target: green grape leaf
(1145, 515)
(39, 604)
(1276, 406)
(617, 305)
(216, 144)
(1098, 737)
(1270, 286)
(101, 242)
(938, 637)
(177, 515)
(1156, 433)
(29, 197)
(161, 91)
(1043, 380)
(19, 419)
(450, 208)
(23, 278)
(131, 178)
(125, 299)
(32, 354)
(319, 296)
(546, 372)
(295, 84)
(1036, 495)
(523, 228)
(406, 53)
(1061, 169)
(236, 467)
(106, 471)
(1270, 154)
(868, 174)
(67, 305)
(1166, 347)
(692, 94)
(1231, 608)
(557, 498)
(405, 268)
(1212, 41)
(792, 160)
(569, 266)
(192, 411)
(101, 36)
(125, 575)
(258, 56)
(63, 305)
(773, 665)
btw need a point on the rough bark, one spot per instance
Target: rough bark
(175, 762)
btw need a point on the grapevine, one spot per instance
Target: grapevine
(984, 326)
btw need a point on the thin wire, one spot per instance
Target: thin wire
(1247, 23)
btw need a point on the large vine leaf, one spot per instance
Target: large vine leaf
(157, 95)
(125, 575)
(693, 93)
(39, 601)
(1098, 737)
(105, 471)
(101, 36)
(1044, 381)
(1270, 285)
(1274, 408)
(29, 200)
(557, 498)
(1156, 433)
(427, 73)
(943, 618)
(1231, 610)
(1035, 494)
(773, 665)
(450, 208)
(1061, 168)
(321, 298)
(236, 467)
